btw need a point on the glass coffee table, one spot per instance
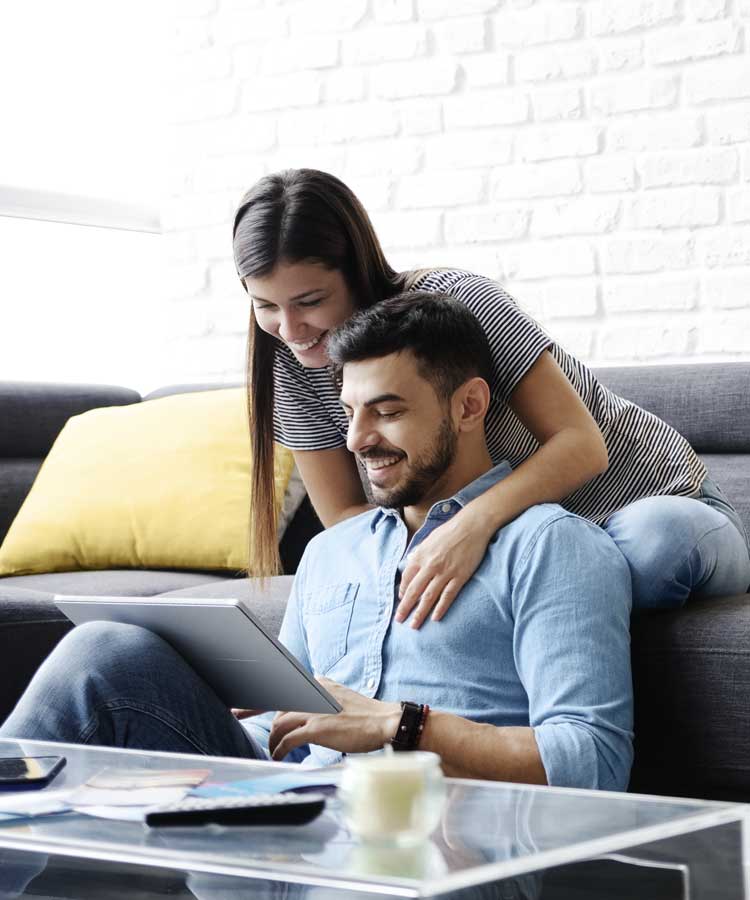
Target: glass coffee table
(494, 840)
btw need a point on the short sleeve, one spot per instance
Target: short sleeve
(301, 418)
(516, 340)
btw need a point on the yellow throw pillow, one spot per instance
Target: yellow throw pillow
(160, 484)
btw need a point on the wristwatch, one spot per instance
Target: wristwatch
(410, 726)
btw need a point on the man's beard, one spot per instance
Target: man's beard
(423, 472)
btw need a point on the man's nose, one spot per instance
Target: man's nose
(359, 436)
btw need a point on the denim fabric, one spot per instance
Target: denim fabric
(682, 546)
(116, 685)
(521, 644)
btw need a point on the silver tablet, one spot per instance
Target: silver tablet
(222, 641)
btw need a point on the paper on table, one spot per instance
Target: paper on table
(121, 813)
(128, 793)
(130, 779)
(34, 803)
(268, 784)
(87, 796)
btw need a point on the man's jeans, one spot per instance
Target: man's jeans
(678, 546)
(122, 686)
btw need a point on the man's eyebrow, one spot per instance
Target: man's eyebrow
(292, 299)
(381, 398)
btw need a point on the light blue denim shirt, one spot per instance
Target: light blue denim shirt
(538, 637)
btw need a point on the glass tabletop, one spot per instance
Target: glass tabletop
(489, 830)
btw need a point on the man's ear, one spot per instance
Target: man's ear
(472, 400)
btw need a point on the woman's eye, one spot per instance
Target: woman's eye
(308, 303)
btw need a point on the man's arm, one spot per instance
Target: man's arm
(467, 749)
(571, 604)
(571, 645)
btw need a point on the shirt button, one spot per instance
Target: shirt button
(371, 683)
(446, 507)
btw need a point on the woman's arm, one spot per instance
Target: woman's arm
(333, 484)
(571, 452)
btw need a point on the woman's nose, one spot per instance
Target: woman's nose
(288, 325)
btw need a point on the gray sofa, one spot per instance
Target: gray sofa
(691, 668)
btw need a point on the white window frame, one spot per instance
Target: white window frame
(77, 209)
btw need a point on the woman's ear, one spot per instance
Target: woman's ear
(473, 401)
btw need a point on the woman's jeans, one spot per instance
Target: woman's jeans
(678, 546)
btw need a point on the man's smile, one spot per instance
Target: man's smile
(380, 468)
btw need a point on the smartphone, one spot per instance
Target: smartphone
(28, 771)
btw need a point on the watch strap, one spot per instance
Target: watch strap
(409, 727)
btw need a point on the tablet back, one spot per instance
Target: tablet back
(222, 642)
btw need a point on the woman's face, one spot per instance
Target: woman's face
(299, 303)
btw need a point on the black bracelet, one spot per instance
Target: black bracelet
(408, 731)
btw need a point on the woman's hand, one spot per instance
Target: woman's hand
(441, 565)
(362, 725)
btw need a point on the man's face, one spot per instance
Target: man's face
(399, 429)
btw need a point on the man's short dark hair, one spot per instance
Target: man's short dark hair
(447, 340)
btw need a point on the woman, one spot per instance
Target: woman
(307, 254)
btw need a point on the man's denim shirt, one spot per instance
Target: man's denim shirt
(538, 637)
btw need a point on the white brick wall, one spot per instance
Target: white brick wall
(594, 155)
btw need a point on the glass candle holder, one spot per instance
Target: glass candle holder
(393, 799)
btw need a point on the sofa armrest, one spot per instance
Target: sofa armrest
(30, 626)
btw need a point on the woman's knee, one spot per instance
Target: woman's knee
(656, 521)
(673, 545)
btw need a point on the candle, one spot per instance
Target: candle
(393, 798)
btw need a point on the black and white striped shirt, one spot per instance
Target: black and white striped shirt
(647, 457)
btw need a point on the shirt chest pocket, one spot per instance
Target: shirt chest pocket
(328, 614)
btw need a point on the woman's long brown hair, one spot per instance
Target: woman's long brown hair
(298, 215)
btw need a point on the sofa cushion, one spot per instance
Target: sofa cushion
(731, 471)
(16, 478)
(34, 413)
(267, 601)
(708, 403)
(691, 671)
(108, 582)
(163, 484)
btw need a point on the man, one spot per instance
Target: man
(526, 678)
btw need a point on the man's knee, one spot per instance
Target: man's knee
(104, 646)
(115, 637)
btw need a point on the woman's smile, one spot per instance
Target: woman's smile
(303, 346)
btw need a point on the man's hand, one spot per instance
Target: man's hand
(246, 713)
(362, 725)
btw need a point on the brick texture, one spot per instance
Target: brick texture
(593, 155)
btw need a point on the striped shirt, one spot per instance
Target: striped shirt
(647, 457)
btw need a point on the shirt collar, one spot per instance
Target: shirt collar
(465, 495)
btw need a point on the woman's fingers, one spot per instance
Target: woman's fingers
(448, 595)
(430, 596)
(414, 583)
